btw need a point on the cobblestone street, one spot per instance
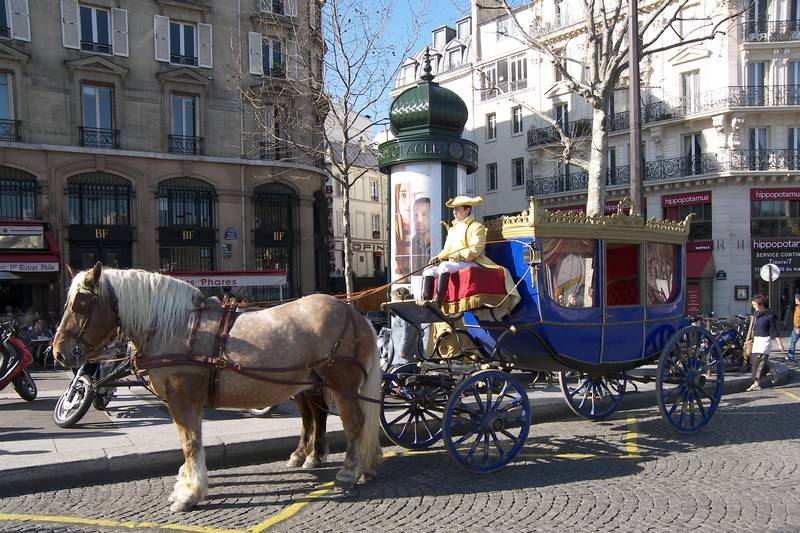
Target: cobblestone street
(630, 473)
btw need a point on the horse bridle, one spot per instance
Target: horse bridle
(82, 306)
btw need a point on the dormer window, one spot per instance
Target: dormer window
(454, 58)
(463, 29)
(438, 38)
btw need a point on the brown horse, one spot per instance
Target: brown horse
(320, 339)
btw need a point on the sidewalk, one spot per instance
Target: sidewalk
(136, 437)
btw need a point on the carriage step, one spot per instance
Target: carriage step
(646, 373)
(431, 380)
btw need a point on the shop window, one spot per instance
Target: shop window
(775, 218)
(186, 225)
(622, 274)
(275, 226)
(700, 230)
(570, 271)
(17, 194)
(662, 272)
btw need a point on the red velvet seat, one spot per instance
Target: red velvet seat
(474, 282)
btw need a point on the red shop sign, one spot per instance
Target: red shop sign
(766, 195)
(692, 198)
(700, 246)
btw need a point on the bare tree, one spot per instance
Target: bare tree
(323, 107)
(603, 35)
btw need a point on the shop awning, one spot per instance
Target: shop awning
(699, 265)
(29, 263)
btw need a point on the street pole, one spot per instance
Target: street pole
(635, 127)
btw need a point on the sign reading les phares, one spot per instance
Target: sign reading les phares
(785, 253)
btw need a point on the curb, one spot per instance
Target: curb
(121, 465)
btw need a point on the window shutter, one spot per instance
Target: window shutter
(292, 65)
(70, 33)
(291, 6)
(119, 28)
(161, 33)
(20, 20)
(255, 56)
(205, 50)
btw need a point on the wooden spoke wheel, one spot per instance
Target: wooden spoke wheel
(593, 397)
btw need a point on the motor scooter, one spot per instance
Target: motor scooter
(14, 362)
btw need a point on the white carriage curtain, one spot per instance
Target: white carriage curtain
(662, 273)
(570, 271)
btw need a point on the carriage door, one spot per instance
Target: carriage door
(275, 236)
(623, 335)
(100, 229)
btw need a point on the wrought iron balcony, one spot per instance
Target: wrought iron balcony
(5, 32)
(681, 167)
(277, 71)
(273, 150)
(177, 59)
(770, 30)
(765, 159)
(183, 144)
(494, 91)
(100, 48)
(549, 135)
(99, 137)
(10, 130)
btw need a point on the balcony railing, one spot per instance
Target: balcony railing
(100, 48)
(10, 130)
(5, 32)
(273, 150)
(183, 144)
(176, 59)
(770, 30)
(549, 135)
(99, 137)
(768, 159)
(278, 71)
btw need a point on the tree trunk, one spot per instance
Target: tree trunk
(596, 193)
(347, 245)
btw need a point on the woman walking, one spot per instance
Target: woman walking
(765, 328)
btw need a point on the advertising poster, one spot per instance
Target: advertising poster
(415, 212)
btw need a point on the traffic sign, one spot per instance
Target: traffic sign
(770, 272)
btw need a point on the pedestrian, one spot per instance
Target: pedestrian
(765, 328)
(790, 354)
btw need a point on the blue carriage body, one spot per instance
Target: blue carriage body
(549, 336)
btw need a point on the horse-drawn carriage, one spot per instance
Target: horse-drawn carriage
(603, 303)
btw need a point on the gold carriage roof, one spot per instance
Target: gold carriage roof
(619, 227)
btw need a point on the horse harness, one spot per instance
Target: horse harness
(82, 306)
(219, 360)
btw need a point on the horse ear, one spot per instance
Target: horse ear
(72, 272)
(93, 275)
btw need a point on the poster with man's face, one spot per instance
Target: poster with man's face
(414, 209)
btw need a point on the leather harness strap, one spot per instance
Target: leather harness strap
(229, 316)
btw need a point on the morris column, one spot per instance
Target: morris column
(427, 164)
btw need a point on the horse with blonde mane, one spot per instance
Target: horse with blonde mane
(269, 356)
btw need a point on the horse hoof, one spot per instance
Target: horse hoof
(295, 461)
(312, 462)
(366, 477)
(181, 506)
(345, 481)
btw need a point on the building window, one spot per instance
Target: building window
(557, 74)
(519, 72)
(516, 120)
(757, 17)
(374, 193)
(438, 39)
(274, 220)
(693, 154)
(518, 172)
(186, 225)
(97, 129)
(272, 56)
(793, 83)
(454, 58)
(491, 176)
(182, 43)
(700, 229)
(408, 75)
(5, 24)
(99, 199)
(491, 126)
(756, 79)
(17, 194)
(502, 28)
(559, 12)
(376, 226)
(611, 166)
(793, 155)
(690, 91)
(562, 117)
(9, 128)
(184, 139)
(775, 218)
(759, 158)
(95, 30)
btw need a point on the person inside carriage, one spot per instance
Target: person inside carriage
(463, 251)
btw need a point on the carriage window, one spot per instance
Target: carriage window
(662, 273)
(622, 274)
(570, 271)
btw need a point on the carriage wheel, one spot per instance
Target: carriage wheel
(590, 396)
(487, 420)
(691, 372)
(411, 415)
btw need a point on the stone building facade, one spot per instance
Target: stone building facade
(125, 138)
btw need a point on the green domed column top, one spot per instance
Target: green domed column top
(427, 121)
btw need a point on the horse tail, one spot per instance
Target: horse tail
(369, 445)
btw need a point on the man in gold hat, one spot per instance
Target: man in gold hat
(463, 248)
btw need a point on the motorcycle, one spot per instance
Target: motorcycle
(94, 384)
(14, 362)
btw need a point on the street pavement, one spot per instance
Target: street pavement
(629, 473)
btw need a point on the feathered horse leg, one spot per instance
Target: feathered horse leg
(298, 456)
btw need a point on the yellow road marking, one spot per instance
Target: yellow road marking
(791, 395)
(630, 440)
(292, 509)
(109, 523)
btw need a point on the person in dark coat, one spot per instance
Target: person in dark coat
(765, 328)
